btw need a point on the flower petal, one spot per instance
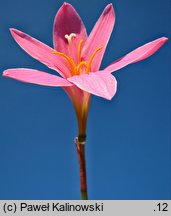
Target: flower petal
(67, 21)
(99, 36)
(40, 51)
(36, 77)
(136, 55)
(97, 83)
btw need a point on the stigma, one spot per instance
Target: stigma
(69, 37)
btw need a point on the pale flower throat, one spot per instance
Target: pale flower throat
(76, 69)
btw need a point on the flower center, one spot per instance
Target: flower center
(78, 69)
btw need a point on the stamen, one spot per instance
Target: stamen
(77, 69)
(83, 63)
(79, 50)
(69, 37)
(92, 57)
(70, 61)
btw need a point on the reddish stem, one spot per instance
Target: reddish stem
(80, 146)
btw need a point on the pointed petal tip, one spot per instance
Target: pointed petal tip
(65, 5)
(13, 30)
(109, 8)
(162, 40)
(165, 39)
(5, 73)
(17, 32)
(112, 93)
(109, 97)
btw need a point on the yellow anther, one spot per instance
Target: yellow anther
(91, 58)
(83, 63)
(70, 61)
(79, 50)
(69, 37)
(77, 67)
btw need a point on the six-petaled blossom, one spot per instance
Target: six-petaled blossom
(77, 58)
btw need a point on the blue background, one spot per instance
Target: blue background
(128, 148)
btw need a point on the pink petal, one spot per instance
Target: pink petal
(99, 37)
(138, 54)
(67, 21)
(36, 77)
(40, 51)
(97, 83)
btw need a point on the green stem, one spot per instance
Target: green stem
(80, 146)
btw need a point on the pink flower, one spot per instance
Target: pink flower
(77, 58)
